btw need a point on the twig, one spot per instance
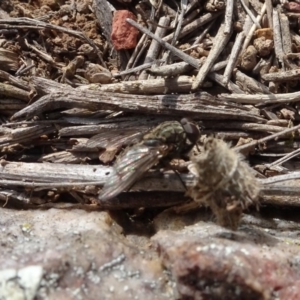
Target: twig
(232, 87)
(204, 32)
(253, 28)
(265, 139)
(249, 84)
(137, 69)
(285, 34)
(179, 23)
(228, 16)
(284, 158)
(193, 25)
(201, 104)
(181, 84)
(280, 178)
(220, 41)
(262, 99)
(14, 92)
(233, 57)
(250, 14)
(282, 76)
(219, 66)
(154, 48)
(170, 70)
(277, 36)
(18, 82)
(190, 60)
(137, 49)
(269, 7)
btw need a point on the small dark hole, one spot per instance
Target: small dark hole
(107, 173)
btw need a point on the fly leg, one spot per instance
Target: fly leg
(171, 167)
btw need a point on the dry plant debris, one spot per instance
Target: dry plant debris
(73, 98)
(223, 181)
(65, 83)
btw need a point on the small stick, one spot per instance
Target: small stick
(193, 25)
(261, 99)
(265, 139)
(190, 60)
(233, 57)
(219, 66)
(277, 36)
(180, 20)
(282, 76)
(285, 34)
(204, 32)
(280, 178)
(253, 28)
(220, 41)
(251, 85)
(170, 70)
(47, 185)
(296, 38)
(285, 158)
(250, 14)
(269, 6)
(188, 19)
(232, 87)
(155, 47)
(228, 16)
(132, 60)
(139, 68)
(191, 5)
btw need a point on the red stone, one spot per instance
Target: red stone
(124, 35)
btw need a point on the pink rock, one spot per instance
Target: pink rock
(124, 36)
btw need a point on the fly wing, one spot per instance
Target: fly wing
(128, 169)
(116, 138)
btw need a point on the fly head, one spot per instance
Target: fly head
(191, 129)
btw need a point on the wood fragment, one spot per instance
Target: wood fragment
(190, 60)
(220, 41)
(249, 84)
(233, 57)
(284, 158)
(154, 47)
(277, 36)
(193, 26)
(14, 92)
(228, 17)
(250, 14)
(77, 177)
(285, 34)
(269, 8)
(261, 99)
(253, 28)
(170, 70)
(268, 138)
(282, 76)
(164, 104)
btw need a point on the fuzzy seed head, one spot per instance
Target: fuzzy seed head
(224, 182)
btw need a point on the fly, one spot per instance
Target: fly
(167, 140)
